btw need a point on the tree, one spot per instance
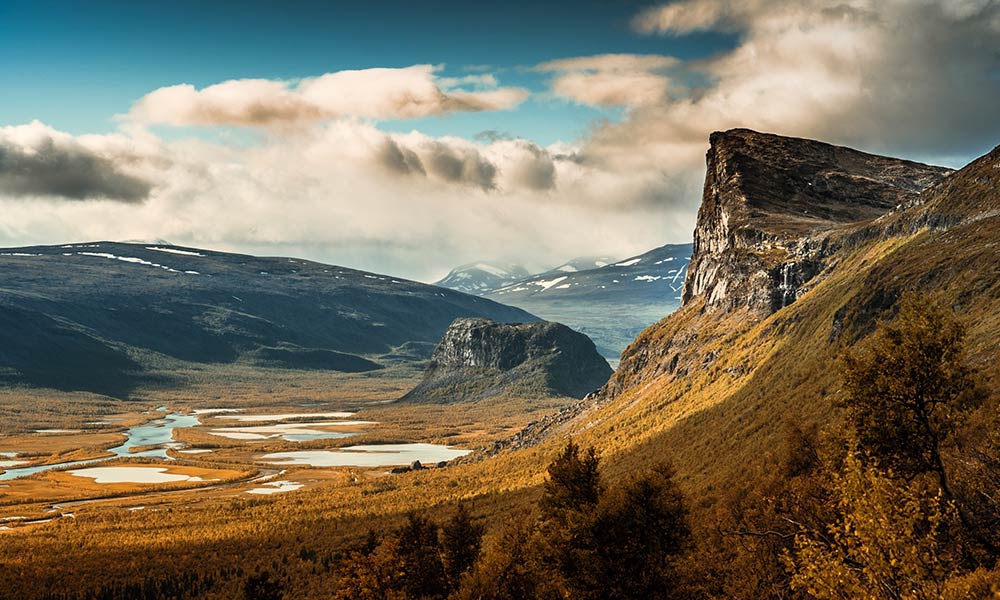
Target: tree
(574, 484)
(908, 388)
(568, 511)
(511, 568)
(640, 529)
(461, 540)
(419, 553)
(262, 587)
(887, 544)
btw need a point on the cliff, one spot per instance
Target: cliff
(769, 205)
(479, 359)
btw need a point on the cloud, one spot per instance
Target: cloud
(380, 93)
(347, 193)
(36, 160)
(916, 78)
(612, 79)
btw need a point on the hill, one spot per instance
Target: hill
(98, 316)
(478, 359)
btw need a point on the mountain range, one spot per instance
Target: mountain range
(609, 300)
(101, 316)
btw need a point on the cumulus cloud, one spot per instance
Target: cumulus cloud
(612, 79)
(347, 193)
(38, 161)
(380, 93)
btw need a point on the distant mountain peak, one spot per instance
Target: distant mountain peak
(481, 277)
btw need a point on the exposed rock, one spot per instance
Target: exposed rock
(479, 359)
(768, 206)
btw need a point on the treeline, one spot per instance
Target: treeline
(900, 502)
(584, 540)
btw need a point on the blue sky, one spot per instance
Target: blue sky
(73, 65)
(350, 132)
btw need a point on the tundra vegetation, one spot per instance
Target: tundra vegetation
(906, 510)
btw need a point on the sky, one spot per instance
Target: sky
(408, 138)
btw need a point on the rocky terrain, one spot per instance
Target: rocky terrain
(769, 205)
(478, 359)
(101, 316)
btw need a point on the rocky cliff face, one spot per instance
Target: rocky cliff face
(769, 205)
(478, 359)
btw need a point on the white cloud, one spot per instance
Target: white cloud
(612, 79)
(912, 77)
(380, 93)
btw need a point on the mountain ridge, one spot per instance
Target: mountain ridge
(144, 302)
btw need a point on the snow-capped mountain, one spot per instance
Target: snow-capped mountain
(584, 263)
(480, 278)
(610, 303)
(656, 275)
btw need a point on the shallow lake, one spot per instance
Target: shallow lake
(132, 475)
(154, 433)
(376, 455)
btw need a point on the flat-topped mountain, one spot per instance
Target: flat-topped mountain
(95, 316)
(767, 202)
(479, 359)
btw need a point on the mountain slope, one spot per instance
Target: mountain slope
(481, 277)
(713, 385)
(96, 316)
(611, 303)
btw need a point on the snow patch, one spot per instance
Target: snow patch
(175, 251)
(546, 284)
(629, 263)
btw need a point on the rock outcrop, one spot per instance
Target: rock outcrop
(479, 359)
(769, 205)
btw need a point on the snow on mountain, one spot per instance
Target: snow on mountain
(612, 301)
(482, 277)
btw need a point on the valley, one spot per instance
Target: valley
(294, 471)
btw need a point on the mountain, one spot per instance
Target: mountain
(583, 263)
(481, 277)
(611, 303)
(800, 249)
(101, 316)
(478, 359)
